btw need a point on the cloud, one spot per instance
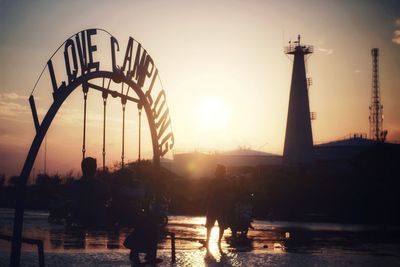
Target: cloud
(326, 51)
(396, 37)
(10, 109)
(15, 107)
(12, 96)
(397, 21)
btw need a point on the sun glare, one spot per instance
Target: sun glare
(212, 113)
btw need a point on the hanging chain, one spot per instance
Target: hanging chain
(104, 129)
(140, 126)
(85, 93)
(123, 101)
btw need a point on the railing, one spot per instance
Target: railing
(172, 236)
(309, 81)
(290, 49)
(313, 115)
(37, 242)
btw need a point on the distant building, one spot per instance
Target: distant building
(338, 154)
(345, 149)
(196, 164)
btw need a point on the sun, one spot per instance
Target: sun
(212, 113)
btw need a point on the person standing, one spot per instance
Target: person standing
(90, 205)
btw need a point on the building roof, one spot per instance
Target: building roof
(236, 152)
(354, 141)
(247, 152)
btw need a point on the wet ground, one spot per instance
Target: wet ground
(269, 244)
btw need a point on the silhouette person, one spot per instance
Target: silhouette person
(90, 210)
(217, 203)
(143, 238)
(88, 166)
(82, 206)
(241, 210)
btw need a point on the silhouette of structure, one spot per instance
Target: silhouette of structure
(376, 108)
(298, 148)
(344, 149)
(137, 81)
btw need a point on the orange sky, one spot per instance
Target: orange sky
(221, 64)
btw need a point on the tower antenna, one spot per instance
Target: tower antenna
(376, 108)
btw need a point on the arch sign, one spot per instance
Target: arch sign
(130, 69)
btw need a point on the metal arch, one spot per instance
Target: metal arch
(149, 113)
(61, 45)
(59, 97)
(63, 94)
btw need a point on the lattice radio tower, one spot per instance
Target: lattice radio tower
(376, 108)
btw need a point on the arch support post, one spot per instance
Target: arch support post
(20, 198)
(23, 178)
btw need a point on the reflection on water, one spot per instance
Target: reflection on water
(78, 239)
(213, 248)
(265, 243)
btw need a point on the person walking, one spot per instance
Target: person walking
(217, 203)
